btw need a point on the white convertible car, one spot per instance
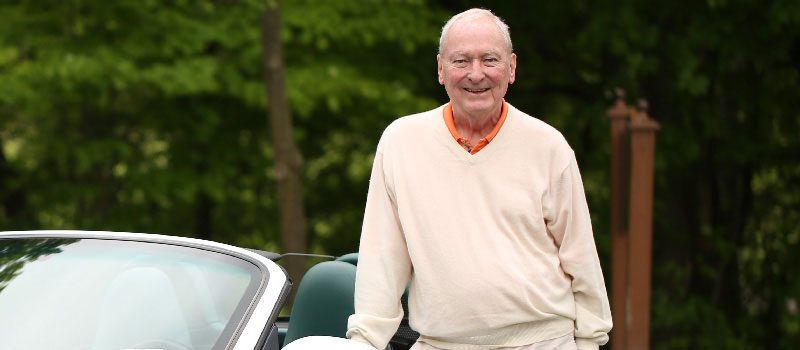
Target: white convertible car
(107, 290)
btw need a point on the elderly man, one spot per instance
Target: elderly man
(481, 208)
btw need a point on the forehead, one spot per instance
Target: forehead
(475, 34)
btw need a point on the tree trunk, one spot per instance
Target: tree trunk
(288, 160)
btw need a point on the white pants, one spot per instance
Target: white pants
(566, 342)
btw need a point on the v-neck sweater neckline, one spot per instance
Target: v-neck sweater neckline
(450, 123)
(459, 152)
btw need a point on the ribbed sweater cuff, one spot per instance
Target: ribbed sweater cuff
(586, 344)
(357, 337)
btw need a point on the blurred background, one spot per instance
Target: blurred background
(152, 116)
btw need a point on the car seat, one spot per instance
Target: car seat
(324, 301)
(405, 337)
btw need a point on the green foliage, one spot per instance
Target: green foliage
(114, 116)
(353, 67)
(150, 116)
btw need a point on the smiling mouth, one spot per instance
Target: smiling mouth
(476, 90)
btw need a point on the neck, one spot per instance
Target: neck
(475, 127)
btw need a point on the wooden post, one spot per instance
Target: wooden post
(619, 236)
(640, 225)
(632, 172)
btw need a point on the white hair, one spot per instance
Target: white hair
(472, 13)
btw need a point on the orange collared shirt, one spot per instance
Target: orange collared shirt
(451, 125)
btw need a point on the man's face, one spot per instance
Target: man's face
(475, 67)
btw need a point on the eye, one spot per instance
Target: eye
(491, 61)
(460, 62)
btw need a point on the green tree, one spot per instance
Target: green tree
(288, 160)
(114, 113)
(148, 116)
(353, 67)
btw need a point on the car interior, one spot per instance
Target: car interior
(324, 302)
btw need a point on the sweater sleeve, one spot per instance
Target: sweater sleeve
(571, 228)
(384, 268)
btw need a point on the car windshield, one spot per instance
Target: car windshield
(112, 294)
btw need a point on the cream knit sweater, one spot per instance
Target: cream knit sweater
(498, 245)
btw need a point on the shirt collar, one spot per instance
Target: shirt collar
(451, 126)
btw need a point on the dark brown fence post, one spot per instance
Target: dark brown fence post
(632, 172)
(619, 236)
(640, 225)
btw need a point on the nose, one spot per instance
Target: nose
(475, 73)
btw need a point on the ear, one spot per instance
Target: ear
(513, 67)
(439, 68)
